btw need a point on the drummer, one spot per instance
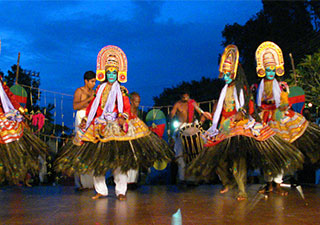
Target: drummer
(184, 109)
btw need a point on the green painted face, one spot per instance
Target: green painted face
(112, 76)
(270, 72)
(227, 77)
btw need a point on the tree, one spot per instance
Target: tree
(308, 77)
(30, 79)
(25, 78)
(204, 90)
(290, 24)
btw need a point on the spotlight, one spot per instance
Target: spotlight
(175, 124)
(309, 104)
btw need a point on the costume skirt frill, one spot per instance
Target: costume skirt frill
(19, 151)
(294, 128)
(309, 143)
(265, 151)
(106, 147)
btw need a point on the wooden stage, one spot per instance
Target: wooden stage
(156, 205)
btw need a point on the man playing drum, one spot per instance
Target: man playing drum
(184, 109)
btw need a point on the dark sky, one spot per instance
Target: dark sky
(166, 42)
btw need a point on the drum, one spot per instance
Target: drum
(191, 141)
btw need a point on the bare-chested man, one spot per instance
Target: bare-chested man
(134, 108)
(184, 109)
(81, 99)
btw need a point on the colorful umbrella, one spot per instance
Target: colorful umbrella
(297, 98)
(20, 94)
(156, 121)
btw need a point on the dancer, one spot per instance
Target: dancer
(110, 139)
(236, 141)
(272, 100)
(19, 148)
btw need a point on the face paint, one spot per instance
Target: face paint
(112, 76)
(270, 72)
(227, 77)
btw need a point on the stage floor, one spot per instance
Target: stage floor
(156, 205)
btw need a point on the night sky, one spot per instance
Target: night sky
(166, 42)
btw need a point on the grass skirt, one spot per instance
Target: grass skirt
(272, 155)
(20, 156)
(101, 151)
(309, 143)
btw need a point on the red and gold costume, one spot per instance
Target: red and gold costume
(273, 102)
(105, 143)
(19, 148)
(236, 141)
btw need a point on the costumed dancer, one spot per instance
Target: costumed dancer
(184, 109)
(111, 140)
(81, 99)
(19, 148)
(275, 109)
(236, 141)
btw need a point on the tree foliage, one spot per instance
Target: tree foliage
(29, 79)
(308, 77)
(293, 25)
(25, 78)
(204, 90)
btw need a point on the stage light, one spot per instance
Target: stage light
(175, 124)
(309, 104)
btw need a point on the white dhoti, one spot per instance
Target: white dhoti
(82, 180)
(120, 179)
(133, 176)
(43, 168)
(277, 179)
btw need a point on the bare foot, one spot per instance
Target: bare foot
(122, 197)
(280, 191)
(97, 196)
(241, 198)
(267, 189)
(224, 190)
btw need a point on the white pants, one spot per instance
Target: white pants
(277, 179)
(43, 168)
(133, 176)
(120, 179)
(86, 180)
(82, 180)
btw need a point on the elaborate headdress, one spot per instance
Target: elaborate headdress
(229, 61)
(269, 54)
(112, 56)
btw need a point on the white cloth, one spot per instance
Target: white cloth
(82, 180)
(212, 131)
(79, 116)
(115, 94)
(5, 101)
(120, 179)
(100, 185)
(133, 176)
(86, 180)
(276, 91)
(278, 179)
(43, 168)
